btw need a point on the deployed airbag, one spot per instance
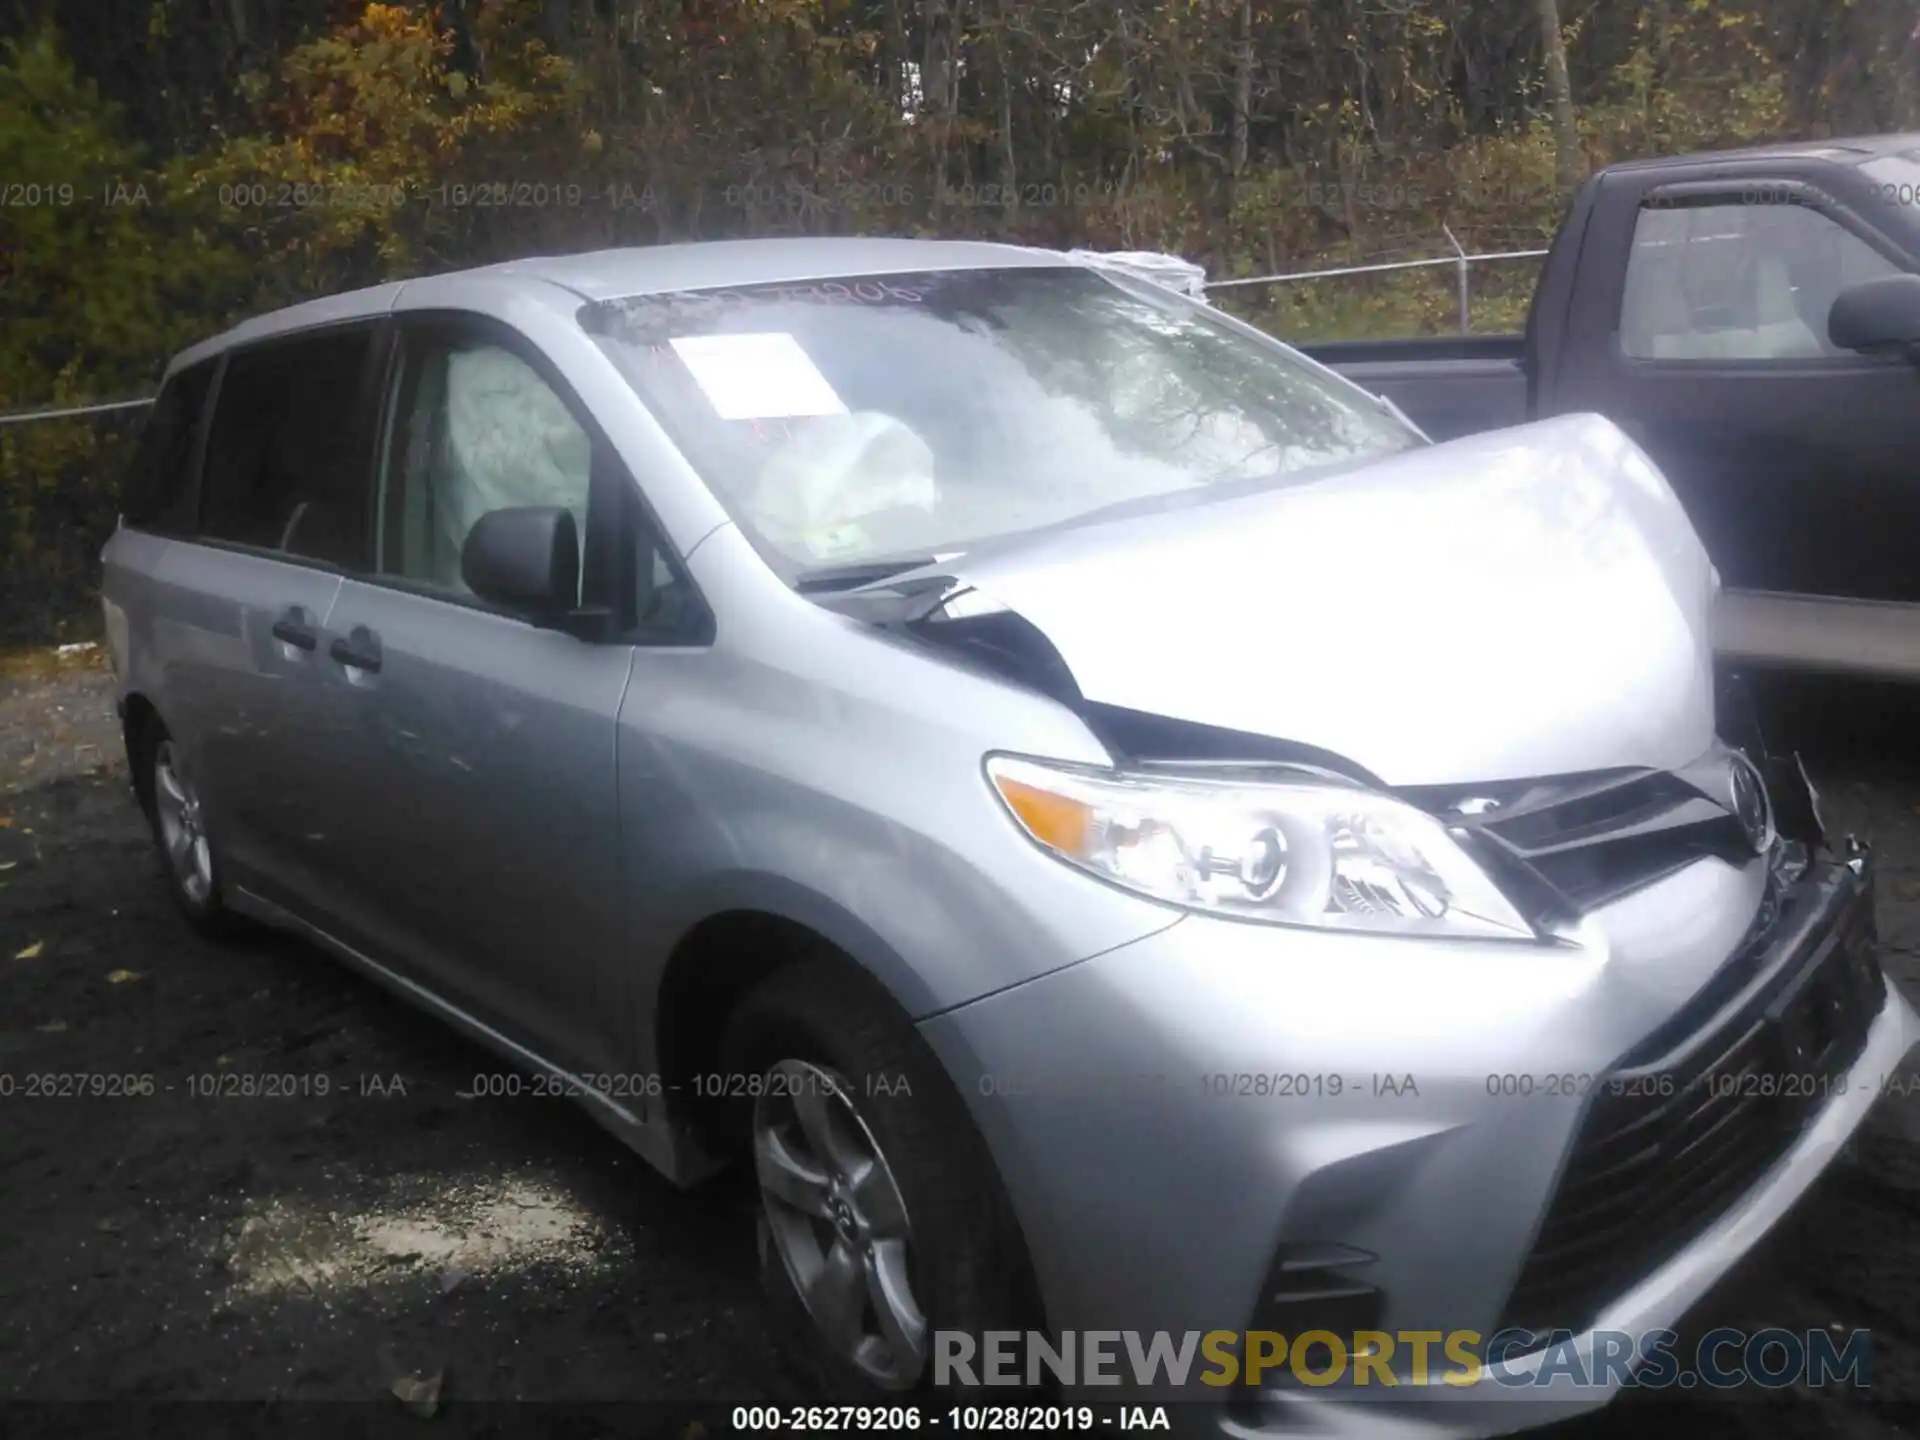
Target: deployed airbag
(509, 441)
(815, 490)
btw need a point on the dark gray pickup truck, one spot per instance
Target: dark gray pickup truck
(1752, 318)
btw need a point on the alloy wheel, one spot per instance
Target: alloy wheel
(835, 1215)
(183, 833)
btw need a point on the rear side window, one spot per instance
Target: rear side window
(157, 492)
(286, 468)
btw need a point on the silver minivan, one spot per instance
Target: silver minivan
(1113, 827)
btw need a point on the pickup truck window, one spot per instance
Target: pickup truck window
(1738, 281)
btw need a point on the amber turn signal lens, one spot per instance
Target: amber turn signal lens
(1052, 819)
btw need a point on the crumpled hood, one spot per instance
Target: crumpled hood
(1523, 603)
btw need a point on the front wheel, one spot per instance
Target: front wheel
(835, 1222)
(881, 1219)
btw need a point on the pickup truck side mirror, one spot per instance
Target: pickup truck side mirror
(1881, 314)
(526, 559)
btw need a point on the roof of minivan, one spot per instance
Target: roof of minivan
(571, 280)
(1850, 150)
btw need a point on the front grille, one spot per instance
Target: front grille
(1673, 1137)
(1575, 843)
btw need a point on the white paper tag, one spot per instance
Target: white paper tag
(757, 377)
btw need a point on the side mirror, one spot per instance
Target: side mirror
(526, 559)
(1881, 314)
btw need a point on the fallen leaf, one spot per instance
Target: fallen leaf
(52, 1027)
(420, 1394)
(8, 864)
(6, 821)
(31, 952)
(107, 1225)
(121, 977)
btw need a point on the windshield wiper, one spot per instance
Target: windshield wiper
(864, 572)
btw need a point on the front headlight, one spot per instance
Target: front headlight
(1292, 852)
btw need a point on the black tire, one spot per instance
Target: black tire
(205, 910)
(968, 1263)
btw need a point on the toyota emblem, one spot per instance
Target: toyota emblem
(1750, 804)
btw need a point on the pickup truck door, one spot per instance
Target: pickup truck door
(1698, 323)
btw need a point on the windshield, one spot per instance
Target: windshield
(854, 421)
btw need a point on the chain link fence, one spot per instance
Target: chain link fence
(1462, 293)
(61, 466)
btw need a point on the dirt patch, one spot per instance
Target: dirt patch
(482, 1227)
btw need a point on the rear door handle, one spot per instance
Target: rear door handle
(358, 650)
(295, 627)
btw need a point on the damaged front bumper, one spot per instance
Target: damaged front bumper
(1781, 1077)
(1450, 1133)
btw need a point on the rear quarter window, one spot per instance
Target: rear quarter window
(157, 490)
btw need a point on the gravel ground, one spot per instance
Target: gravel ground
(400, 1237)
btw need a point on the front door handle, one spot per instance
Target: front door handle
(295, 627)
(358, 650)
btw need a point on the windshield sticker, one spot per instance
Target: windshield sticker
(651, 318)
(694, 304)
(757, 377)
(846, 292)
